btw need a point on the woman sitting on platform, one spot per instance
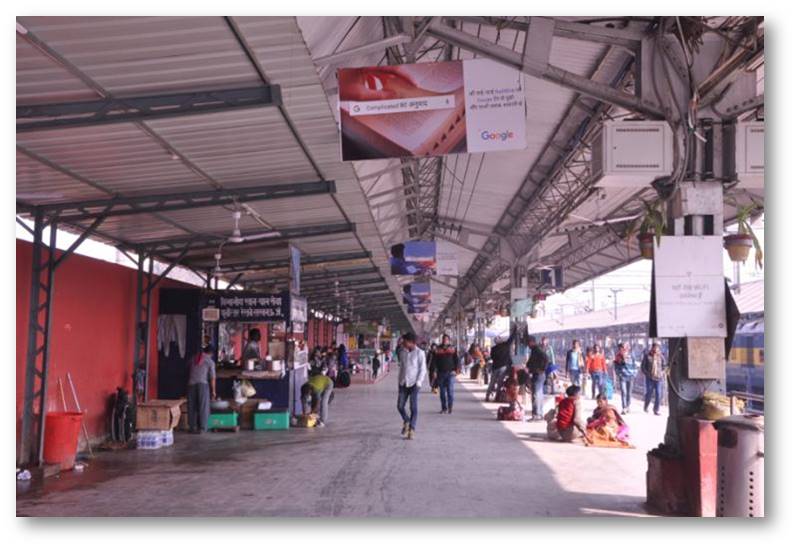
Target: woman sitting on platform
(606, 427)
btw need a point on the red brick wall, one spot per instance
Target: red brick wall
(91, 335)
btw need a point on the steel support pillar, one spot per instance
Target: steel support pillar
(143, 313)
(34, 409)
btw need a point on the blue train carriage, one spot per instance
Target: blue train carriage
(745, 367)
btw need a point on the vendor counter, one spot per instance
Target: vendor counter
(281, 388)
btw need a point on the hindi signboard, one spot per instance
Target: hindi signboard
(247, 306)
(690, 287)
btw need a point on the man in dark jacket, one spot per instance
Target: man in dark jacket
(536, 365)
(654, 367)
(501, 356)
(445, 363)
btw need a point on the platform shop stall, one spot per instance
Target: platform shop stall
(258, 343)
(364, 341)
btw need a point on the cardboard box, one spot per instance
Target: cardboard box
(247, 412)
(158, 414)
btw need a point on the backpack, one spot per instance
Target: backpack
(344, 379)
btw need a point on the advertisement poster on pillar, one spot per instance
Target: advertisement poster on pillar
(430, 109)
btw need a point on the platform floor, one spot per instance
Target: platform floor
(462, 465)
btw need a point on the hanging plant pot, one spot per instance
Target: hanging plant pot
(646, 245)
(738, 246)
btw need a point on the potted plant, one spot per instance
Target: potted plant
(652, 225)
(740, 243)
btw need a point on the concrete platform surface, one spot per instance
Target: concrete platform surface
(462, 465)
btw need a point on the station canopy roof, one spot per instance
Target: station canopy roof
(229, 114)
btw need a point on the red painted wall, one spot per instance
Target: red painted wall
(91, 335)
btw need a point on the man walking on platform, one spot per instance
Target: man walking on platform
(412, 371)
(445, 364)
(575, 363)
(653, 367)
(626, 370)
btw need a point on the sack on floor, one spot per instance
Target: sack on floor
(308, 421)
(510, 413)
(608, 388)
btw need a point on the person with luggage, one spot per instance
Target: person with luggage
(445, 364)
(575, 363)
(536, 365)
(596, 368)
(501, 355)
(411, 374)
(477, 363)
(626, 370)
(316, 394)
(654, 368)
(550, 368)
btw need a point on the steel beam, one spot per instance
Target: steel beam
(70, 212)
(140, 109)
(194, 243)
(550, 73)
(379, 45)
(255, 265)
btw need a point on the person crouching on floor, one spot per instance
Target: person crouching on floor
(565, 422)
(316, 393)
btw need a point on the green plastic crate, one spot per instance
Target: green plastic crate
(223, 420)
(274, 419)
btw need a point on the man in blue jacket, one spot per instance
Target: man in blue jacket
(626, 370)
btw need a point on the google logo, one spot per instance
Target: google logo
(497, 135)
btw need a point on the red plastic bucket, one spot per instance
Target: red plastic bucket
(61, 434)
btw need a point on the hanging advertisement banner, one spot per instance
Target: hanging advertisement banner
(430, 109)
(417, 293)
(416, 258)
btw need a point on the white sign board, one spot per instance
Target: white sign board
(447, 263)
(690, 287)
(495, 106)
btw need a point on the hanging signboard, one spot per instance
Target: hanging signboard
(417, 293)
(246, 306)
(416, 258)
(447, 264)
(690, 287)
(431, 109)
(296, 269)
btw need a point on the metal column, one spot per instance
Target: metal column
(31, 444)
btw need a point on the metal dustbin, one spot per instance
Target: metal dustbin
(740, 466)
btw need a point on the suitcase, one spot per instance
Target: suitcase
(474, 372)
